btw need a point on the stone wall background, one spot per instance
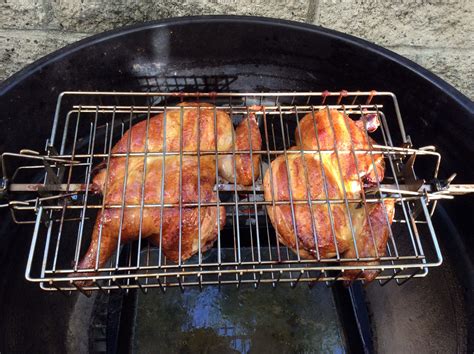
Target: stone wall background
(437, 34)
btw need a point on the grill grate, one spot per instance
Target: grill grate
(247, 251)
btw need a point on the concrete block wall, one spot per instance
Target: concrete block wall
(437, 34)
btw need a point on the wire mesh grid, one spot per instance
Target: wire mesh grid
(247, 249)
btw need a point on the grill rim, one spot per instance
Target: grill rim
(61, 53)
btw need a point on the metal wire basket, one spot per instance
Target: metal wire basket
(86, 126)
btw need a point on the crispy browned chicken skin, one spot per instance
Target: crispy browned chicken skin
(188, 129)
(315, 231)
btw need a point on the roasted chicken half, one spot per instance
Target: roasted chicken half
(332, 172)
(170, 179)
